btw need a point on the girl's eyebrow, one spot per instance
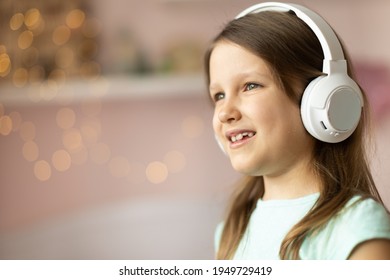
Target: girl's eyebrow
(254, 73)
(243, 75)
(212, 87)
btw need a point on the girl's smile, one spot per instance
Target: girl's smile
(239, 137)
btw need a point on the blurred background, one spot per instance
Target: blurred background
(106, 145)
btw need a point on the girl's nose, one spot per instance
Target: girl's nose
(229, 113)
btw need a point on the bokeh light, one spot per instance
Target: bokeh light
(156, 172)
(20, 77)
(5, 64)
(65, 118)
(42, 170)
(53, 41)
(30, 151)
(32, 18)
(90, 132)
(72, 140)
(61, 35)
(75, 18)
(25, 39)
(16, 21)
(5, 125)
(61, 160)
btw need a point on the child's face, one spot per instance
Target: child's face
(256, 122)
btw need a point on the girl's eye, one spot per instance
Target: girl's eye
(219, 96)
(251, 86)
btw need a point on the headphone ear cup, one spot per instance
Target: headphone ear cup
(331, 107)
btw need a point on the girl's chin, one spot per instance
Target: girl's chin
(246, 168)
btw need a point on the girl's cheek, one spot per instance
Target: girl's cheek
(215, 122)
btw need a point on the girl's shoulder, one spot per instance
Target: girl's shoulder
(360, 220)
(359, 206)
(366, 216)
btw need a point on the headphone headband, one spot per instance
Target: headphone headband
(334, 60)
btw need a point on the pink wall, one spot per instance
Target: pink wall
(105, 204)
(172, 130)
(158, 24)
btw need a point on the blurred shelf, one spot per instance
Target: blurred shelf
(105, 88)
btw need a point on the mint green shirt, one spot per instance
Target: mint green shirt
(269, 223)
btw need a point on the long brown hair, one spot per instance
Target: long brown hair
(294, 55)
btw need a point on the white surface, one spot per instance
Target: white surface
(149, 228)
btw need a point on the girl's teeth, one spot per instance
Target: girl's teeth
(241, 136)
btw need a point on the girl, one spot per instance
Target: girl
(301, 198)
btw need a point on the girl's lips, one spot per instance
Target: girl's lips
(239, 137)
(241, 142)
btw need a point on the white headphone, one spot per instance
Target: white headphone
(332, 103)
